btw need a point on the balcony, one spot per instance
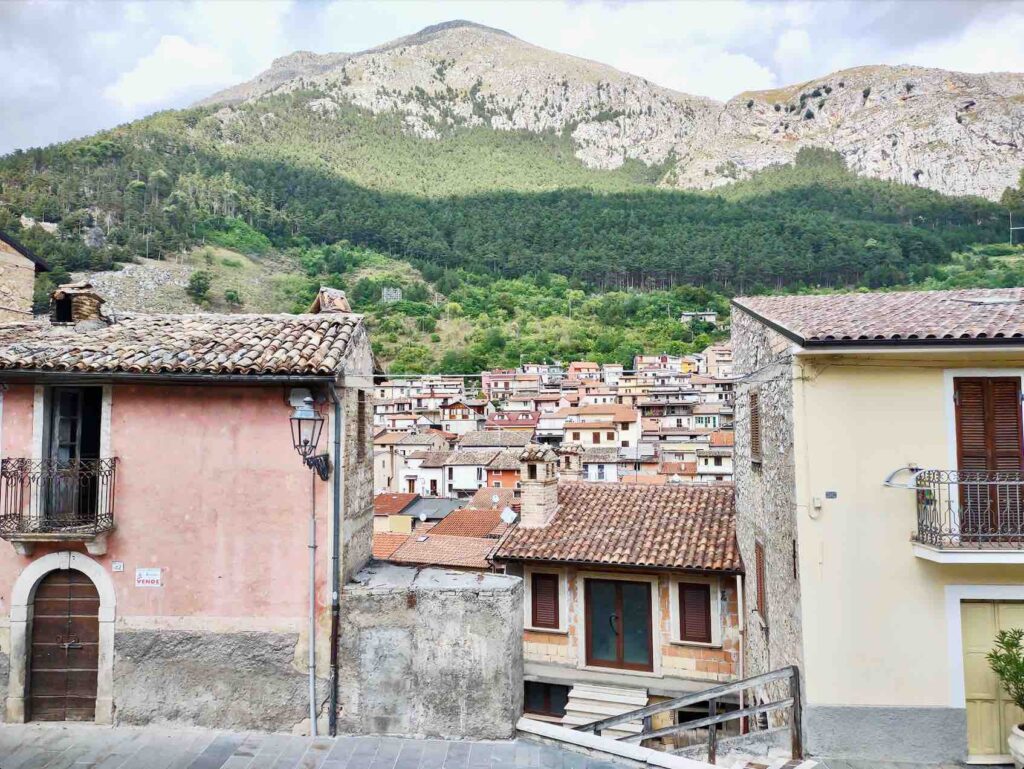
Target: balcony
(969, 516)
(48, 500)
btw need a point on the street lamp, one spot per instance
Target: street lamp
(307, 424)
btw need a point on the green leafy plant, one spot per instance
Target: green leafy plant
(198, 285)
(1007, 662)
(233, 297)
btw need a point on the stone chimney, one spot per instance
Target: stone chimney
(570, 461)
(330, 300)
(74, 303)
(538, 479)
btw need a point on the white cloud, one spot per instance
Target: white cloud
(175, 68)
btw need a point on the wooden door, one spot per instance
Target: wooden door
(618, 624)
(65, 648)
(990, 712)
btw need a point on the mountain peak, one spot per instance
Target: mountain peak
(444, 26)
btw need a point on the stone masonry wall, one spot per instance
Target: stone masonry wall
(246, 680)
(17, 277)
(431, 653)
(357, 451)
(766, 493)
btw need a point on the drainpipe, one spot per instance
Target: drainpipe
(332, 714)
(312, 604)
(740, 609)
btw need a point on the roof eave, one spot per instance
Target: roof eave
(616, 566)
(99, 377)
(41, 265)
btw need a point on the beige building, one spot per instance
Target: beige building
(878, 472)
(18, 269)
(613, 623)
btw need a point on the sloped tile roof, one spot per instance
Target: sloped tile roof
(723, 438)
(494, 439)
(965, 315)
(184, 344)
(435, 459)
(471, 457)
(673, 526)
(483, 499)
(508, 459)
(471, 522)
(392, 504)
(385, 543)
(439, 550)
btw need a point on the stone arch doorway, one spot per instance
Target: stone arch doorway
(64, 650)
(68, 583)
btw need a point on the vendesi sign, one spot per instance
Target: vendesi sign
(147, 577)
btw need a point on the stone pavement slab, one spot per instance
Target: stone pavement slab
(87, 746)
(853, 763)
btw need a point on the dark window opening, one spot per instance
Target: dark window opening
(618, 624)
(695, 613)
(759, 575)
(544, 599)
(545, 699)
(755, 427)
(62, 312)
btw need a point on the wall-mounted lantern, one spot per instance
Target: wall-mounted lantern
(307, 424)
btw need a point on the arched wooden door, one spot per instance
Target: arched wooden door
(65, 648)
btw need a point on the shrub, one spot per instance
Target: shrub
(229, 262)
(809, 114)
(750, 104)
(1007, 662)
(866, 92)
(232, 297)
(198, 285)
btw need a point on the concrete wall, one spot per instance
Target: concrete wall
(17, 278)
(431, 653)
(765, 494)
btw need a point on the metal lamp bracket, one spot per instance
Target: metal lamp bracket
(322, 464)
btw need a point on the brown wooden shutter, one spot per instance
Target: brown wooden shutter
(545, 601)
(971, 423)
(755, 427)
(759, 571)
(695, 613)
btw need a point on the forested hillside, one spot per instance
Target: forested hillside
(504, 203)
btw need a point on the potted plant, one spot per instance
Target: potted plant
(1007, 662)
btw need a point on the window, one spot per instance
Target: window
(575, 436)
(988, 438)
(544, 601)
(694, 612)
(600, 472)
(450, 469)
(625, 444)
(479, 473)
(759, 575)
(531, 472)
(755, 427)
(618, 624)
(545, 699)
(596, 438)
(718, 461)
(610, 436)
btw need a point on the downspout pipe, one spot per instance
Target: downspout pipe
(312, 604)
(339, 426)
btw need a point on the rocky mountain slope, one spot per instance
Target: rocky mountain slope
(953, 132)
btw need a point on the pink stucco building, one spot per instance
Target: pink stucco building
(156, 514)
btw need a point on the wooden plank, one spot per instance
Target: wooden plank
(717, 692)
(732, 715)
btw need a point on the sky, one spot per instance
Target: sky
(69, 69)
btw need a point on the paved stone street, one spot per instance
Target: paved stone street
(85, 746)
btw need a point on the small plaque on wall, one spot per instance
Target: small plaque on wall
(147, 577)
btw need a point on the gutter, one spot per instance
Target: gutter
(339, 470)
(35, 375)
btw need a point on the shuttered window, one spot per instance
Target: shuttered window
(988, 437)
(544, 590)
(695, 613)
(755, 427)
(759, 572)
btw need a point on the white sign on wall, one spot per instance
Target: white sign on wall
(147, 577)
(117, 566)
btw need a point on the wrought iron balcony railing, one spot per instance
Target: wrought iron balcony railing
(49, 496)
(970, 509)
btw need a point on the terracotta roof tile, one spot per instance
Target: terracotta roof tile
(723, 438)
(471, 522)
(184, 344)
(385, 543)
(392, 504)
(674, 526)
(440, 550)
(910, 316)
(494, 439)
(483, 499)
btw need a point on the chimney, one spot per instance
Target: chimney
(330, 300)
(570, 461)
(538, 480)
(74, 303)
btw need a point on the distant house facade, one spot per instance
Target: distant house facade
(18, 269)
(878, 470)
(607, 629)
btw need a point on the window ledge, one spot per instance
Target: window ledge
(698, 644)
(549, 630)
(622, 671)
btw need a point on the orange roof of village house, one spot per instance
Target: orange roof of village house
(483, 498)
(196, 344)
(471, 522)
(723, 438)
(672, 526)
(386, 542)
(444, 550)
(392, 504)
(976, 315)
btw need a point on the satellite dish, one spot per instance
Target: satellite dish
(508, 515)
(675, 479)
(494, 499)
(423, 517)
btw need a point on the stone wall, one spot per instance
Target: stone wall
(357, 508)
(17, 277)
(431, 653)
(247, 680)
(766, 493)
